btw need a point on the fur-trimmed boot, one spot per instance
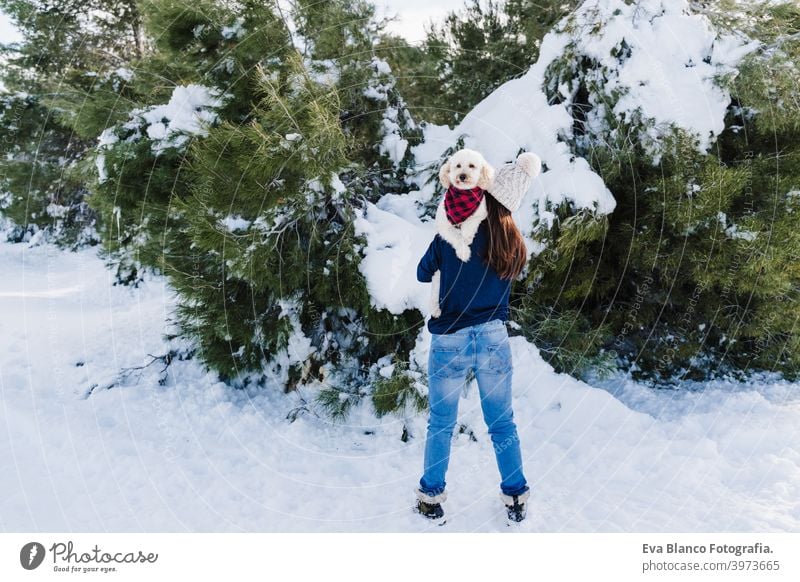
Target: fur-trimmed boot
(430, 506)
(516, 506)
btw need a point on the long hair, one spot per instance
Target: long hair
(506, 252)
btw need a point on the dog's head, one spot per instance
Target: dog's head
(466, 169)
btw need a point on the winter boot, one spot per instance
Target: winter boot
(429, 506)
(516, 507)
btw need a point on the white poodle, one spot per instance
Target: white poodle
(465, 169)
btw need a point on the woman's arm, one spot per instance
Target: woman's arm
(429, 263)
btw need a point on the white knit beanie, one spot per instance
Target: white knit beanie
(513, 180)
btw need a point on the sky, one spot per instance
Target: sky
(413, 15)
(7, 32)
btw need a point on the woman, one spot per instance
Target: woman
(470, 333)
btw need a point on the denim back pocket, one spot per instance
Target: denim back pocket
(447, 357)
(498, 356)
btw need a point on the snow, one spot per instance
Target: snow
(107, 138)
(392, 143)
(56, 210)
(180, 451)
(298, 349)
(124, 73)
(733, 230)
(437, 140)
(236, 30)
(189, 112)
(100, 164)
(389, 265)
(337, 185)
(381, 66)
(324, 72)
(232, 223)
(664, 41)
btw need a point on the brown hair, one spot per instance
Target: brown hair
(506, 252)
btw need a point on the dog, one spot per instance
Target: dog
(465, 169)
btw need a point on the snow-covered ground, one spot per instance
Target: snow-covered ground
(195, 455)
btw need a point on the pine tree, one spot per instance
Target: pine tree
(247, 203)
(255, 223)
(346, 37)
(198, 73)
(693, 275)
(471, 53)
(42, 193)
(66, 73)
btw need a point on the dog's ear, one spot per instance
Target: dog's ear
(486, 176)
(444, 174)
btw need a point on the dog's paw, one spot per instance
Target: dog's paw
(434, 305)
(434, 297)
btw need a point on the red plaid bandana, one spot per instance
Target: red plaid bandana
(460, 204)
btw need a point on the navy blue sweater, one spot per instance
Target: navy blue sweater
(469, 293)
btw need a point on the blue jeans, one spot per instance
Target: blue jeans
(485, 348)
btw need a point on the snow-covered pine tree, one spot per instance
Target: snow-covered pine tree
(345, 38)
(241, 186)
(694, 274)
(381, 132)
(256, 240)
(41, 195)
(62, 82)
(198, 72)
(471, 53)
